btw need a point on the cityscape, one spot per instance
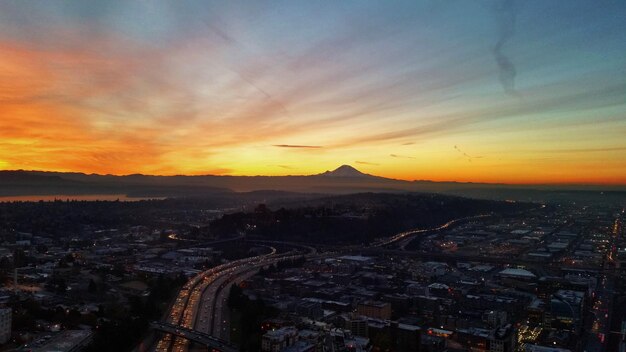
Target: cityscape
(285, 272)
(358, 176)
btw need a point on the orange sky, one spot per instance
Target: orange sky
(97, 99)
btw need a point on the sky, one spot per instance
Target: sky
(507, 91)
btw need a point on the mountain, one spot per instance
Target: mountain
(343, 180)
(345, 171)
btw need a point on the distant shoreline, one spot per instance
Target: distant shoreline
(76, 197)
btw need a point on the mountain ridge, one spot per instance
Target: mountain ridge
(343, 180)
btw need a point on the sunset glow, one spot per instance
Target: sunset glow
(407, 90)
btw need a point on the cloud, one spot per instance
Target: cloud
(366, 163)
(296, 146)
(86, 94)
(572, 150)
(506, 14)
(401, 156)
(220, 171)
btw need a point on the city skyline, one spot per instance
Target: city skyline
(494, 91)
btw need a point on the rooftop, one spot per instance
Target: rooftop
(517, 272)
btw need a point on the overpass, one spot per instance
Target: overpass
(214, 344)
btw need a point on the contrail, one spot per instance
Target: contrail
(505, 18)
(235, 43)
(469, 157)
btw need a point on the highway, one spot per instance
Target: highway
(201, 304)
(405, 237)
(183, 311)
(194, 335)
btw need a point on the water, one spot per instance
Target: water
(85, 197)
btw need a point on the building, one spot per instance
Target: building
(341, 340)
(357, 324)
(310, 309)
(502, 339)
(496, 340)
(536, 312)
(495, 318)
(566, 309)
(407, 337)
(537, 348)
(5, 325)
(301, 346)
(515, 273)
(432, 344)
(277, 340)
(374, 309)
(67, 341)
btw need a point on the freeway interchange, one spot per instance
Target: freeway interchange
(199, 313)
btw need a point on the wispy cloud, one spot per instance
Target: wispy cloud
(366, 163)
(297, 146)
(401, 156)
(506, 14)
(212, 86)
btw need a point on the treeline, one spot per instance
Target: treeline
(117, 326)
(71, 217)
(357, 218)
(282, 265)
(123, 326)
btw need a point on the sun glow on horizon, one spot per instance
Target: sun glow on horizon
(405, 90)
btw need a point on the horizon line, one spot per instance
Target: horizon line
(499, 183)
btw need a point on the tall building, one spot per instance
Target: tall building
(5, 324)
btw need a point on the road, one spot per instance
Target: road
(183, 311)
(403, 237)
(194, 335)
(600, 313)
(201, 303)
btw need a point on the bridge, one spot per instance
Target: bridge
(213, 343)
